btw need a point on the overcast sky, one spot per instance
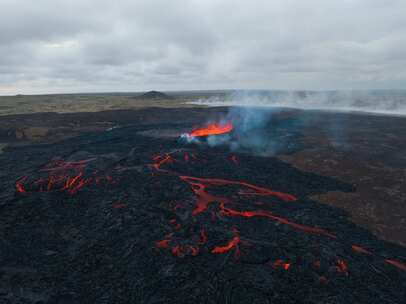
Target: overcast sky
(49, 46)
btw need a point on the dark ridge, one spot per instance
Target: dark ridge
(154, 95)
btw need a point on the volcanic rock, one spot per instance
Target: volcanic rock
(125, 217)
(155, 95)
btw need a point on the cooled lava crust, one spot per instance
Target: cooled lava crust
(118, 217)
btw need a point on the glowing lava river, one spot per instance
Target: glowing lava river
(120, 217)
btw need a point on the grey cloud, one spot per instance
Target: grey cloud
(60, 45)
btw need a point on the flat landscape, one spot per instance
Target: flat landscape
(73, 103)
(103, 199)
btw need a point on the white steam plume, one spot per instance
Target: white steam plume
(383, 102)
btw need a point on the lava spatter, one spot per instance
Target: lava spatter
(281, 264)
(20, 188)
(63, 176)
(232, 244)
(342, 267)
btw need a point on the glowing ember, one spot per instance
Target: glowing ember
(342, 267)
(281, 264)
(397, 264)
(182, 250)
(232, 244)
(20, 185)
(360, 249)
(163, 243)
(213, 129)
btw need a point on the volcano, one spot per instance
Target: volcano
(155, 95)
(119, 217)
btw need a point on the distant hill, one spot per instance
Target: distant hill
(154, 95)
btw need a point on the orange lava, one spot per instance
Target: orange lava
(232, 244)
(281, 264)
(161, 161)
(182, 250)
(397, 264)
(175, 224)
(20, 185)
(163, 243)
(213, 129)
(342, 266)
(199, 186)
(62, 176)
(268, 214)
(360, 249)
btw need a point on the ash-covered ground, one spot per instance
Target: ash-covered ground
(134, 215)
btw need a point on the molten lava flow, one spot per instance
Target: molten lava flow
(61, 176)
(199, 186)
(175, 224)
(163, 243)
(162, 160)
(397, 264)
(182, 250)
(225, 204)
(268, 214)
(204, 198)
(342, 266)
(213, 129)
(20, 185)
(360, 249)
(323, 280)
(232, 244)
